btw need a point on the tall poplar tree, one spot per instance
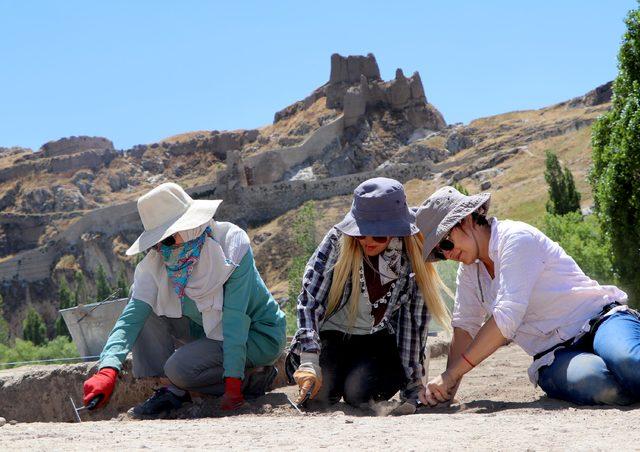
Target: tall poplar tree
(615, 177)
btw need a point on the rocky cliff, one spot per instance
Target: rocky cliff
(71, 205)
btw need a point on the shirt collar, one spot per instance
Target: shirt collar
(493, 240)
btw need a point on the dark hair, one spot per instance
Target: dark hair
(479, 218)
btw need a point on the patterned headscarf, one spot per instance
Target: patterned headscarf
(180, 260)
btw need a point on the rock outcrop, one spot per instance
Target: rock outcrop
(13, 150)
(83, 180)
(8, 198)
(73, 145)
(601, 95)
(458, 140)
(68, 198)
(62, 198)
(38, 200)
(36, 163)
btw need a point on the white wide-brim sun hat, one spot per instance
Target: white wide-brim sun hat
(168, 209)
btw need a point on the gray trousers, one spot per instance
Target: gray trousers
(165, 348)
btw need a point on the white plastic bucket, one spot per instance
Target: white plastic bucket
(90, 324)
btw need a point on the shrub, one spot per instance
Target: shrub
(458, 186)
(582, 239)
(304, 234)
(59, 347)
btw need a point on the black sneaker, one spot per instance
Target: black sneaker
(162, 401)
(258, 381)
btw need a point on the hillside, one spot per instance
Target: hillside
(517, 183)
(71, 205)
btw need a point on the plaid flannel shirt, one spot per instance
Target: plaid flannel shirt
(406, 314)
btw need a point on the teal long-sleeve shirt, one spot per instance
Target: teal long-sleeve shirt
(253, 325)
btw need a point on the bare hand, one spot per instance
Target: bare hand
(439, 390)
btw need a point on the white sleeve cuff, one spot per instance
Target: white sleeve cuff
(505, 324)
(469, 328)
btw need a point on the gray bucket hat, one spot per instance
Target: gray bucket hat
(379, 208)
(442, 211)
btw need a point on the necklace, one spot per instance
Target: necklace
(370, 265)
(363, 290)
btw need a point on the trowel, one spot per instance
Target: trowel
(93, 403)
(303, 402)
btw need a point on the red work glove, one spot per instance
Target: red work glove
(103, 383)
(232, 398)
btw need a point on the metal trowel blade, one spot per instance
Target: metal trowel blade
(75, 409)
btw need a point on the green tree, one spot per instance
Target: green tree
(304, 236)
(5, 334)
(65, 300)
(33, 328)
(80, 296)
(103, 289)
(581, 238)
(615, 175)
(122, 283)
(563, 196)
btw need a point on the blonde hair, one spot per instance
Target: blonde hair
(427, 278)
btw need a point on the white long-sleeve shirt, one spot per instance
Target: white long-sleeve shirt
(539, 296)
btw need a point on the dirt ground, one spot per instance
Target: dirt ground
(498, 409)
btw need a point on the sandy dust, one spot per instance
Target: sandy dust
(498, 409)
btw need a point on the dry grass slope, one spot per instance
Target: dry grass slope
(519, 190)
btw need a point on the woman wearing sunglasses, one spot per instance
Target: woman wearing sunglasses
(365, 304)
(197, 289)
(515, 284)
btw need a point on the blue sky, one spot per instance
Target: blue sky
(139, 71)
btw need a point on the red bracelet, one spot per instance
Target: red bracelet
(467, 360)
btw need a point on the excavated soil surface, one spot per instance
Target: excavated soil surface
(497, 409)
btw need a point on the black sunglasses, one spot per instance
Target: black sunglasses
(446, 244)
(169, 241)
(376, 238)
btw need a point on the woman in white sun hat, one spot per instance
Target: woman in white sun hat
(197, 287)
(514, 283)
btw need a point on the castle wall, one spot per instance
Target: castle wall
(29, 266)
(261, 203)
(270, 166)
(92, 159)
(246, 206)
(72, 145)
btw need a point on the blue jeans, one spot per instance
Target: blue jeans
(605, 372)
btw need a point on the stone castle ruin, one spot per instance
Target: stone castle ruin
(354, 89)
(357, 126)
